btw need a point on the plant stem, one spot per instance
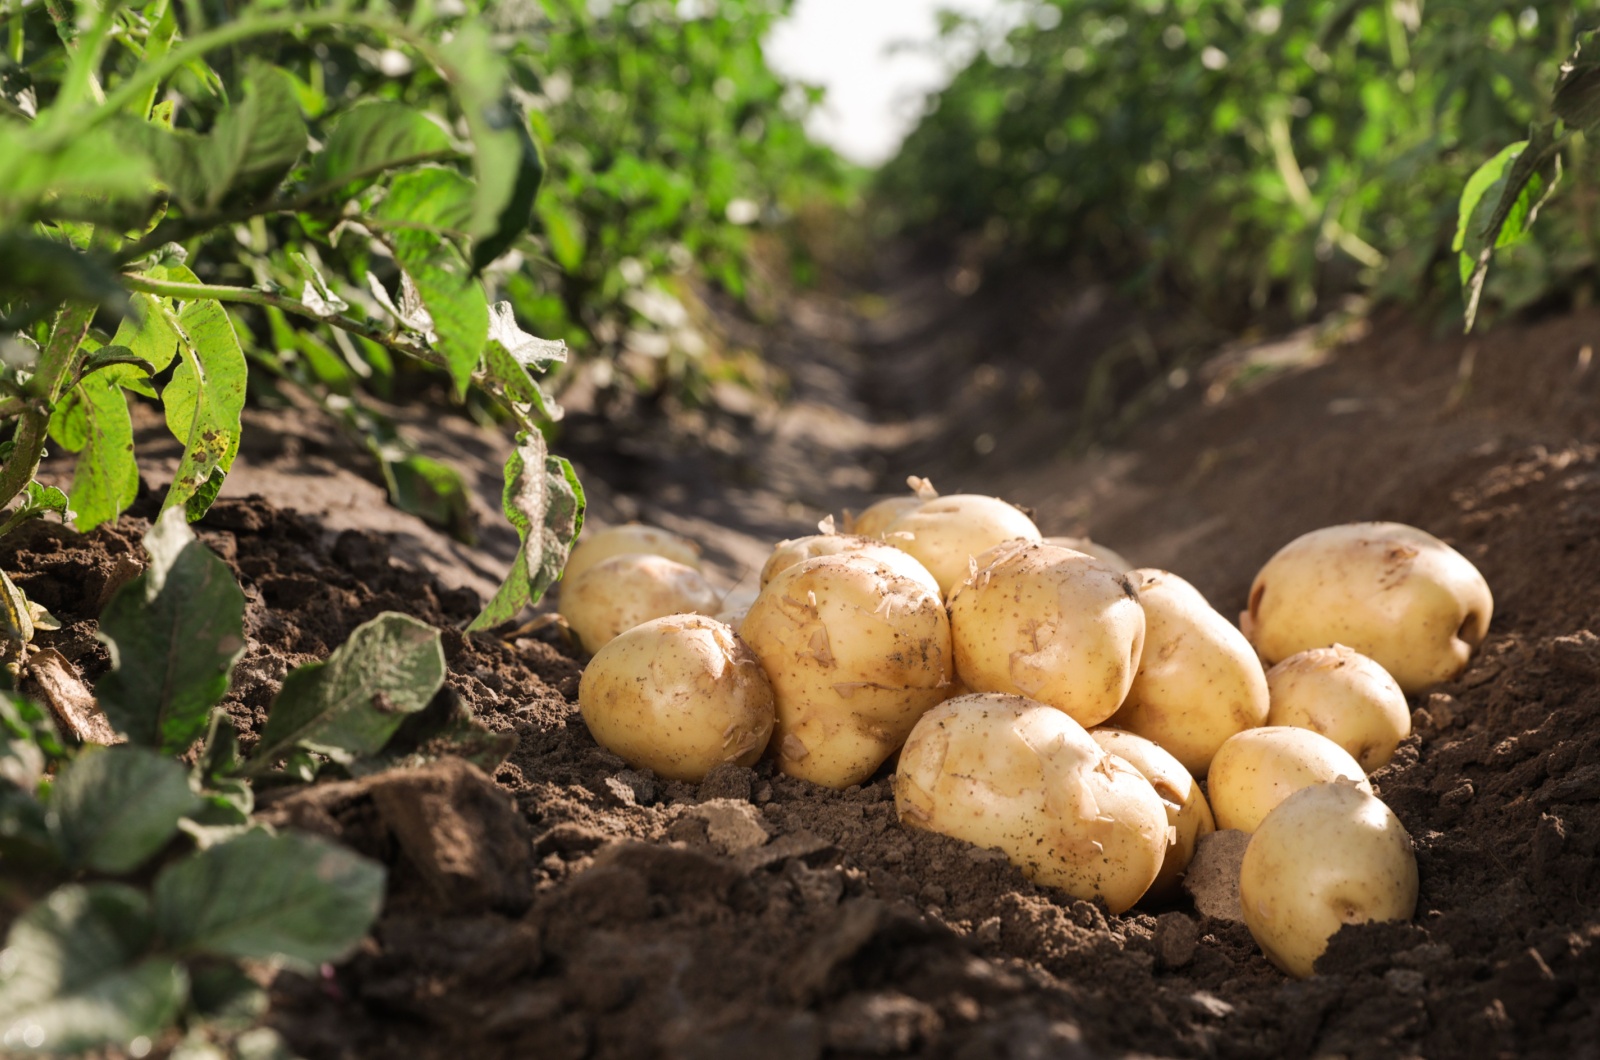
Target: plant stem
(55, 373)
(190, 292)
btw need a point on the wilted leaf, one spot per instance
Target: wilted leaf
(75, 976)
(349, 706)
(317, 295)
(174, 633)
(111, 810)
(544, 501)
(290, 897)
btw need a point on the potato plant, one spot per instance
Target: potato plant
(142, 880)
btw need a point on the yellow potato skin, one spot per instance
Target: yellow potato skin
(1110, 557)
(1259, 768)
(1199, 681)
(1329, 855)
(1010, 773)
(1392, 592)
(621, 591)
(876, 517)
(856, 653)
(1187, 810)
(678, 695)
(1051, 624)
(599, 544)
(788, 553)
(947, 533)
(1346, 697)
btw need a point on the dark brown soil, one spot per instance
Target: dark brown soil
(607, 913)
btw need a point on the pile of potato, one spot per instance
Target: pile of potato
(1047, 701)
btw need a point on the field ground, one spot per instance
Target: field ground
(759, 916)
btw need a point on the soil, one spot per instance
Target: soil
(569, 906)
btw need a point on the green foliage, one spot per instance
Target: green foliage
(113, 809)
(174, 632)
(348, 707)
(312, 189)
(1236, 154)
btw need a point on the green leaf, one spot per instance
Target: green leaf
(95, 422)
(291, 897)
(147, 332)
(253, 145)
(517, 214)
(35, 500)
(27, 737)
(544, 501)
(1577, 98)
(1500, 201)
(52, 272)
(433, 491)
(112, 809)
(349, 706)
(373, 137)
(564, 233)
(203, 402)
(480, 77)
(224, 996)
(453, 297)
(174, 633)
(111, 356)
(74, 976)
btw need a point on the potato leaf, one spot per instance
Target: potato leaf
(75, 976)
(348, 707)
(1500, 202)
(95, 421)
(174, 633)
(377, 136)
(290, 897)
(545, 502)
(204, 400)
(1577, 98)
(112, 809)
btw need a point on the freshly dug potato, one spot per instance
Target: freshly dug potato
(1011, 773)
(788, 553)
(678, 695)
(947, 533)
(1259, 768)
(1345, 696)
(856, 653)
(875, 518)
(1392, 592)
(1199, 682)
(622, 591)
(1110, 557)
(1187, 810)
(1051, 624)
(1329, 855)
(599, 544)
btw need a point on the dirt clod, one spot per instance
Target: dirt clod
(1213, 876)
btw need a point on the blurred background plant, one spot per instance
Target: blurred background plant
(1242, 159)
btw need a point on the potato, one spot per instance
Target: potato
(1259, 768)
(1014, 774)
(1199, 682)
(1110, 557)
(1187, 810)
(1329, 855)
(1050, 624)
(947, 533)
(788, 553)
(678, 695)
(875, 518)
(599, 544)
(1345, 696)
(621, 591)
(856, 653)
(1392, 592)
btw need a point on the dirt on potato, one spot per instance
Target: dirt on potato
(568, 906)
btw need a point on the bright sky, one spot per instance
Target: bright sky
(873, 97)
